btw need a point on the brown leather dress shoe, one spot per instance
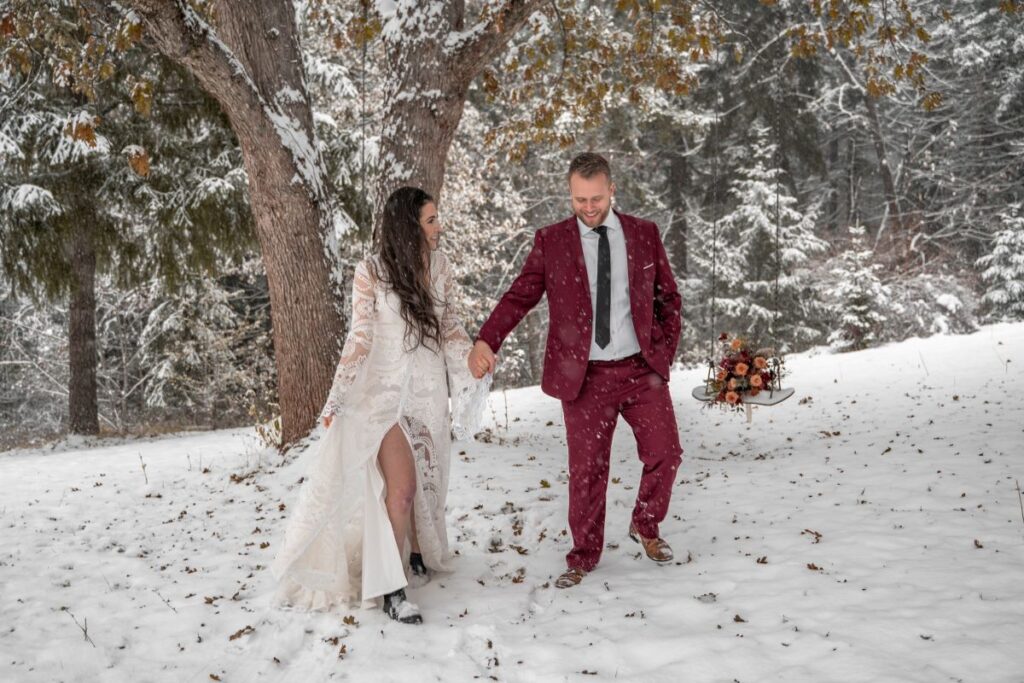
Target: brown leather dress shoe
(656, 548)
(570, 578)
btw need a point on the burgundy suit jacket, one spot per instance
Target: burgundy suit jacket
(555, 266)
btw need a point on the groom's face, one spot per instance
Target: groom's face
(591, 198)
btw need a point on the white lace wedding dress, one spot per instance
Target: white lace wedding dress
(339, 547)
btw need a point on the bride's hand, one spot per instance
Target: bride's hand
(481, 359)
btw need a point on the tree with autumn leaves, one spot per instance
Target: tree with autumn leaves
(553, 59)
(81, 199)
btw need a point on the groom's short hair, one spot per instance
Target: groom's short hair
(589, 164)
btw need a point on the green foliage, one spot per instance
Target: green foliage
(145, 162)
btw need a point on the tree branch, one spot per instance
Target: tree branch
(487, 40)
(184, 37)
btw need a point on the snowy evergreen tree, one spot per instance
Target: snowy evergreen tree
(195, 355)
(1004, 269)
(110, 183)
(245, 56)
(858, 298)
(764, 246)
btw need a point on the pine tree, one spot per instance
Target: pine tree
(1004, 269)
(857, 298)
(764, 247)
(80, 200)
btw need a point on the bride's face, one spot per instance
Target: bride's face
(431, 226)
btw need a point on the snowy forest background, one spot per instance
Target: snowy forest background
(884, 141)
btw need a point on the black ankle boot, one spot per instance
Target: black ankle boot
(416, 564)
(400, 609)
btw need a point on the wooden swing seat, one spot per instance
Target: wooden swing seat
(767, 397)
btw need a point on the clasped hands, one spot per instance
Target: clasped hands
(481, 360)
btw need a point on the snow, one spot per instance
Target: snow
(9, 148)
(881, 498)
(949, 302)
(68, 148)
(30, 199)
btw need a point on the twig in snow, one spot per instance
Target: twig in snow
(921, 356)
(494, 412)
(504, 393)
(144, 469)
(165, 600)
(1021, 501)
(84, 628)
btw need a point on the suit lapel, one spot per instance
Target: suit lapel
(572, 230)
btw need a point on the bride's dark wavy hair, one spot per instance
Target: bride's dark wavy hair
(402, 247)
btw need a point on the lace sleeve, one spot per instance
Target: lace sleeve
(468, 394)
(357, 343)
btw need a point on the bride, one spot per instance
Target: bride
(373, 499)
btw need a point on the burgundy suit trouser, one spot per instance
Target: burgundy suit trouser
(627, 387)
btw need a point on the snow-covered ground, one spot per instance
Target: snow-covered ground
(869, 529)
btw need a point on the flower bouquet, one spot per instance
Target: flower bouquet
(742, 372)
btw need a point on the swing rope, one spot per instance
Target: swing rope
(774, 393)
(714, 239)
(778, 226)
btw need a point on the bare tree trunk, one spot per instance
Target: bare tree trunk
(853, 183)
(429, 79)
(252, 65)
(884, 170)
(83, 413)
(875, 130)
(423, 124)
(677, 235)
(833, 182)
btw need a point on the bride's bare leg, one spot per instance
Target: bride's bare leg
(413, 540)
(396, 464)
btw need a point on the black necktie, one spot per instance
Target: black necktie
(603, 310)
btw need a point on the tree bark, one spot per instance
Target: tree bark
(677, 235)
(428, 80)
(252, 66)
(83, 414)
(853, 183)
(833, 182)
(884, 170)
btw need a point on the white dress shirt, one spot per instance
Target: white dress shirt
(623, 341)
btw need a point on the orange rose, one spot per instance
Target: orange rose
(755, 381)
(721, 375)
(760, 363)
(736, 344)
(732, 397)
(741, 369)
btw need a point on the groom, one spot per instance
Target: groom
(612, 331)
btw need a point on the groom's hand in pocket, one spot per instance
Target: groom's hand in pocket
(481, 360)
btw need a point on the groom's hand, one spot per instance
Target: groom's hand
(481, 359)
